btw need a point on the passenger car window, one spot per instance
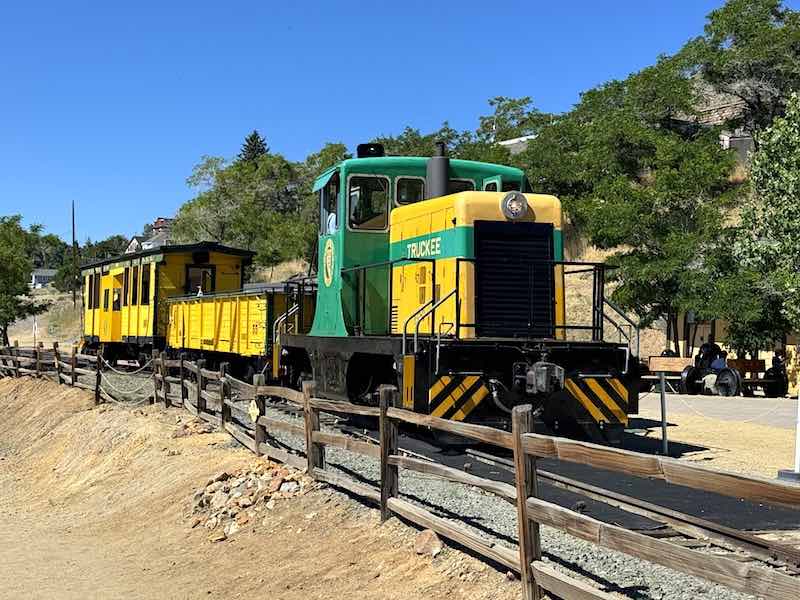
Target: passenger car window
(90, 292)
(199, 279)
(369, 202)
(145, 285)
(410, 190)
(328, 201)
(460, 185)
(135, 286)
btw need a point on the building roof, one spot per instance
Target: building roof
(198, 247)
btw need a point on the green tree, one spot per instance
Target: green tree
(15, 271)
(512, 118)
(750, 50)
(771, 222)
(68, 275)
(642, 181)
(254, 147)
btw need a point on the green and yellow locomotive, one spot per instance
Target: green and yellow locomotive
(447, 279)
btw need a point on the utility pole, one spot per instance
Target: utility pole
(74, 257)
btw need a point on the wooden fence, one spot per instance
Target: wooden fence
(53, 363)
(213, 394)
(219, 406)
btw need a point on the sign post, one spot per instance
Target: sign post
(786, 474)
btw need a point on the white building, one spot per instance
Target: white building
(41, 278)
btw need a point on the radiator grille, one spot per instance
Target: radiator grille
(514, 295)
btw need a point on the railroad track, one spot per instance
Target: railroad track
(678, 527)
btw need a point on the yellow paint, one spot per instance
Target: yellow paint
(409, 367)
(233, 324)
(619, 388)
(454, 396)
(585, 401)
(470, 404)
(167, 279)
(237, 323)
(412, 283)
(598, 390)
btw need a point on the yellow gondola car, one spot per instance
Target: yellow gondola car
(124, 298)
(243, 327)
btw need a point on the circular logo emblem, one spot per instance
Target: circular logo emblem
(328, 261)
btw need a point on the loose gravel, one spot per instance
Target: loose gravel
(495, 519)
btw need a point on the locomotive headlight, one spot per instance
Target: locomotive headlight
(514, 205)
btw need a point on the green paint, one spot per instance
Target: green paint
(558, 245)
(452, 242)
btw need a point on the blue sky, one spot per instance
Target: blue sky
(111, 103)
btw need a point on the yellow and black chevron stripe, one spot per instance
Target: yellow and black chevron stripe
(456, 396)
(604, 398)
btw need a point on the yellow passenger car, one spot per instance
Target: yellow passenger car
(124, 298)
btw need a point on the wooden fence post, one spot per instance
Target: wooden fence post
(201, 387)
(525, 478)
(73, 376)
(98, 378)
(182, 376)
(315, 455)
(56, 360)
(260, 431)
(225, 410)
(165, 385)
(388, 439)
(155, 378)
(15, 359)
(38, 351)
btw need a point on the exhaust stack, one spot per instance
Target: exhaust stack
(438, 173)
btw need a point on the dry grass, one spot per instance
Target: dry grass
(280, 272)
(731, 445)
(578, 298)
(61, 322)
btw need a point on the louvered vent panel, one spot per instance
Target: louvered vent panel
(515, 296)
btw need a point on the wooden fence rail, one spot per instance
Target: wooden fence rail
(216, 396)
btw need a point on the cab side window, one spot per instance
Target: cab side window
(509, 186)
(410, 190)
(328, 203)
(369, 202)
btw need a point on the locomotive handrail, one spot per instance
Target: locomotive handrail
(627, 319)
(408, 320)
(425, 314)
(284, 317)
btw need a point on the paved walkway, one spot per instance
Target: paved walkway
(773, 412)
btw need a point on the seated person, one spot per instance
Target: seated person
(720, 362)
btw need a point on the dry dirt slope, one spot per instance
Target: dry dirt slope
(94, 505)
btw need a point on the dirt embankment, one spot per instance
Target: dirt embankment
(96, 503)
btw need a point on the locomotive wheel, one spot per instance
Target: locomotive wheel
(728, 383)
(689, 381)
